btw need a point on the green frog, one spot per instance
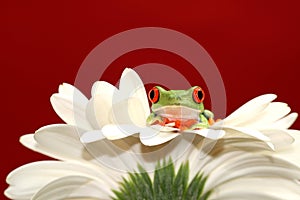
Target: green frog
(182, 109)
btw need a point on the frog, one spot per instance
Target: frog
(181, 109)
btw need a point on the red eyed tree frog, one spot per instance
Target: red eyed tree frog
(182, 109)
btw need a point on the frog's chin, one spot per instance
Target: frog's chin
(177, 112)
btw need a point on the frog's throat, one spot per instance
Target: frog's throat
(177, 112)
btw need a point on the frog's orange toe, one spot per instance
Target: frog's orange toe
(157, 122)
(211, 121)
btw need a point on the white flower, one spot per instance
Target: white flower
(235, 169)
(237, 165)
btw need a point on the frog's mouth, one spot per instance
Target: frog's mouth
(177, 112)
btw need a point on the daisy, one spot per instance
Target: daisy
(233, 169)
(107, 123)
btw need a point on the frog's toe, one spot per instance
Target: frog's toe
(156, 121)
(211, 121)
(199, 126)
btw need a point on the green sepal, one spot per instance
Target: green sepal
(166, 184)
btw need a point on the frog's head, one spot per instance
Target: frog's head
(191, 98)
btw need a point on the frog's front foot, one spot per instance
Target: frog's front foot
(211, 121)
(199, 125)
(155, 119)
(202, 124)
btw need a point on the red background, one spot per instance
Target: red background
(255, 44)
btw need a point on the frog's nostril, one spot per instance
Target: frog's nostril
(173, 97)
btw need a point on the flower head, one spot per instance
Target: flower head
(227, 160)
(231, 170)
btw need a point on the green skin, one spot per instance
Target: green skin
(179, 99)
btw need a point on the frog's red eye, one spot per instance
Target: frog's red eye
(198, 95)
(153, 95)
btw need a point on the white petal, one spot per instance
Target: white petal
(208, 133)
(164, 128)
(65, 145)
(61, 142)
(29, 142)
(103, 88)
(98, 110)
(70, 105)
(132, 86)
(279, 138)
(251, 132)
(292, 152)
(249, 109)
(250, 188)
(233, 165)
(129, 111)
(69, 90)
(285, 122)
(73, 187)
(26, 180)
(130, 82)
(100, 104)
(273, 112)
(92, 136)
(114, 132)
(152, 137)
(103, 154)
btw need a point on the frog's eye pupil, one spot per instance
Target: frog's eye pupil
(198, 95)
(153, 95)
